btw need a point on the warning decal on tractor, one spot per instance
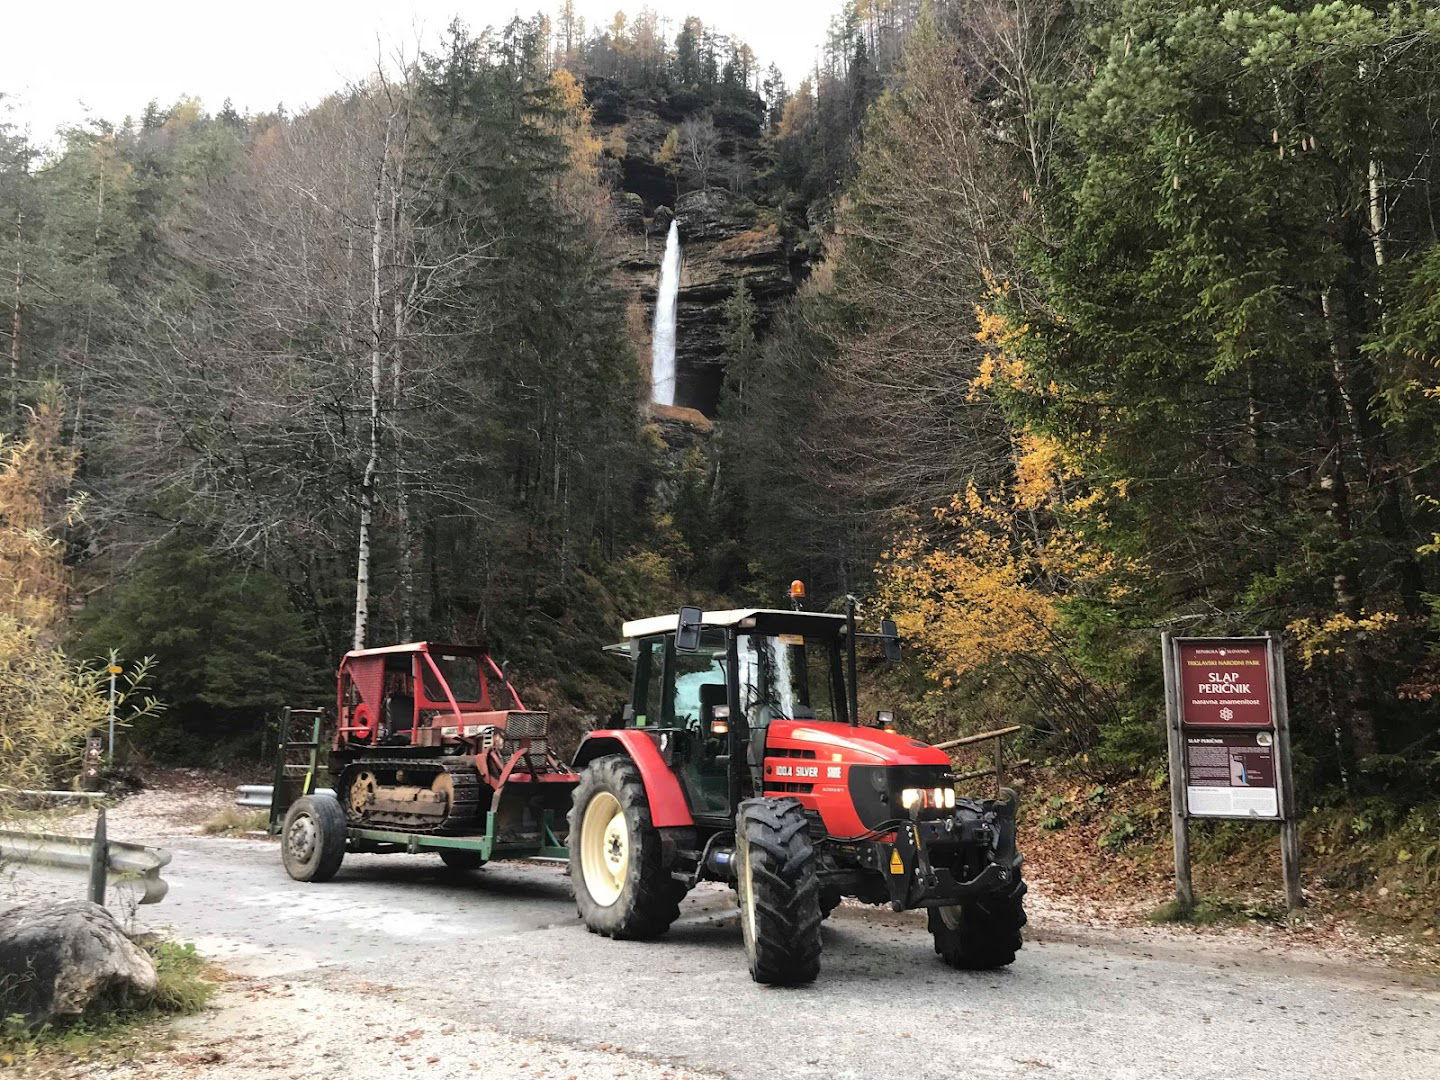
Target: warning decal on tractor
(897, 866)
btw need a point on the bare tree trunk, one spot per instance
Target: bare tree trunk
(15, 318)
(1255, 425)
(1377, 214)
(402, 489)
(1340, 407)
(94, 262)
(372, 462)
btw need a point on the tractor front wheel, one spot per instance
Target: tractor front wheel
(312, 840)
(621, 888)
(779, 891)
(980, 935)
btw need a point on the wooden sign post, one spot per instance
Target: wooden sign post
(1228, 727)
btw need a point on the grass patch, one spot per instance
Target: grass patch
(236, 821)
(183, 979)
(1216, 911)
(183, 986)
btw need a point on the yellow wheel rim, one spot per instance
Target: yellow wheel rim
(745, 891)
(362, 793)
(604, 849)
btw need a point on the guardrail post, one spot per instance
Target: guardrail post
(99, 861)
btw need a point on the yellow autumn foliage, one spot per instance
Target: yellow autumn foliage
(983, 584)
(47, 704)
(967, 603)
(1332, 635)
(35, 473)
(583, 144)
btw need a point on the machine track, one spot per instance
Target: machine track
(389, 776)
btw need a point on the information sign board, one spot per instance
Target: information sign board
(1224, 683)
(1229, 734)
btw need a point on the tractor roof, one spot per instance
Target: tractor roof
(774, 619)
(416, 647)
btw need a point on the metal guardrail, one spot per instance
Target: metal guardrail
(104, 860)
(259, 796)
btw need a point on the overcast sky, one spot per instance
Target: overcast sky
(66, 60)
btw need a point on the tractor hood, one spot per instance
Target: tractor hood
(854, 745)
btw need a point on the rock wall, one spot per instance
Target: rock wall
(727, 233)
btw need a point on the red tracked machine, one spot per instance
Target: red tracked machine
(433, 750)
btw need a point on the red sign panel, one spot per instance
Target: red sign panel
(1224, 684)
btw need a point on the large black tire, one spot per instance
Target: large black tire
(779, 891)
(621, 888)
(460, 859)
(312, 840)
(980, 935)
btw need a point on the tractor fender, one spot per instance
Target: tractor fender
(668, 807)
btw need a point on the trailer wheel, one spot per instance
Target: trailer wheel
(312, 840)
(981, 935)
(779, 891)
(460, 859)
(621, 888)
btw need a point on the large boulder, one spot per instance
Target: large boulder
(63, 960)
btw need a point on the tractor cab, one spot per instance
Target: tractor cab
(709, 690)
(725, 693)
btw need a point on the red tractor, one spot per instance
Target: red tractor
(740, 758)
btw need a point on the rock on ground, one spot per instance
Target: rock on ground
(60, 960)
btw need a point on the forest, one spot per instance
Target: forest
(1113, 317)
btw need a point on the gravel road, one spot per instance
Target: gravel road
(398, 965)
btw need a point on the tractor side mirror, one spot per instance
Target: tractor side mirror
(891, 635)
(687, 629)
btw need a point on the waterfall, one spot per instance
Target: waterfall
(662, 359)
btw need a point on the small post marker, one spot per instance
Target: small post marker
(114, 670)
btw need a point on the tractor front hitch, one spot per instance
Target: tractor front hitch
(939, 862)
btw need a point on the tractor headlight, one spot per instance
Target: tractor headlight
(928, 798)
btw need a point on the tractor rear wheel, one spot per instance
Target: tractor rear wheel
(621, 888)
(460, 859)
(312, 840)
(779, 891)
(980, 935)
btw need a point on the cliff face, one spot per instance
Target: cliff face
(726, 233)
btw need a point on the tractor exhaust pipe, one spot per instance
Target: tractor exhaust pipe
(854, 701)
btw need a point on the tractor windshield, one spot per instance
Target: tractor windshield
(787, 676)
(462, 673)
